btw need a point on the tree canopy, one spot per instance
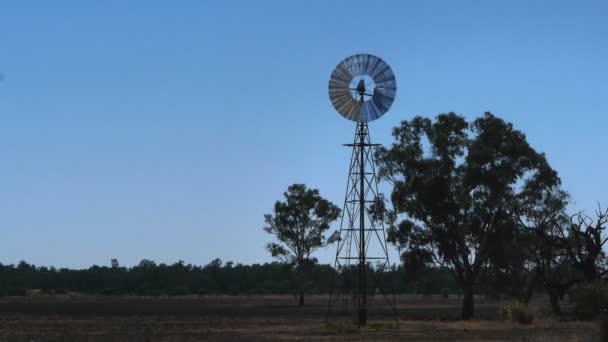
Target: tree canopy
(299, 224)
(456, 184)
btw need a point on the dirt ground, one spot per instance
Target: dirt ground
(264, 318)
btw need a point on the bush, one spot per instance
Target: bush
(517, 313)
(424, 288)
(589, 300)
(445, 293)
(16, 292)
(110, 292)
(179, 291)
(522, 315)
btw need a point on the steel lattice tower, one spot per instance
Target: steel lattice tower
(362, 245)
(361, 88)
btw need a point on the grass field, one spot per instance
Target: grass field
(263, 318)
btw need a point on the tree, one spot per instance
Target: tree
(584, 238)
(579, 258)
(299, 224)
(455, 182)
(540, 215)
(566, 249)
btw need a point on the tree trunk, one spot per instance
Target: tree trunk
(529, 289)
(603, 322)
(301, 301)
(589, 270)
(468, 304)
(554, 299)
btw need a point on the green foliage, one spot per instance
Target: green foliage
(504, 312)
(424, 288)
(523, 315)
(517, 313)
(16, 292)
(299, 224)
(151, 279)
(590, 299)
(110, 292)
(456, 184)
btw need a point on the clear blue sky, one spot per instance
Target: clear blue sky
(165, 130)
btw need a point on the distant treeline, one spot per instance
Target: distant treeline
(149, 278)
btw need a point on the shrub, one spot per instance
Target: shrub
(179, 291)
(589, 300)
(504, 312)
(424, 288)
(110, 292)
(522, 315)
(517, 313)
(16, 292)
(154, 293)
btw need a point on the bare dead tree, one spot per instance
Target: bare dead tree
(583, 239)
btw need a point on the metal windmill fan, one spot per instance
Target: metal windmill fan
(362, 88)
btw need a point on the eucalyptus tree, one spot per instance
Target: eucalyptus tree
(454, 189)
(300, 224)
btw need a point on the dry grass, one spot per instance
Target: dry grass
(255, 318)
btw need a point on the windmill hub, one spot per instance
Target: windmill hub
(362, 88)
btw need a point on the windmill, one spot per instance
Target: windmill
(362, 88)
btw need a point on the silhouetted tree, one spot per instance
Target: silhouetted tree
(540, 215)
(583, 238)
(566, 249)
(180, 278)
(299, 224)
(457, 183)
